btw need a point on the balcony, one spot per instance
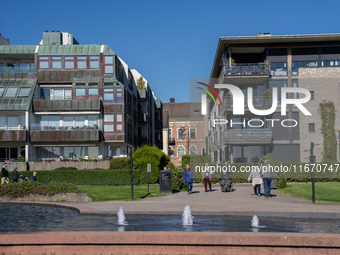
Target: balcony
(247, 136)
(158, 124)
(66, 104)
(258, 103)
(16, 134)
(259, 69)
(142, 94)
(64, 134)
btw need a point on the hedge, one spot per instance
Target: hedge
(85, 177)
(120, 163)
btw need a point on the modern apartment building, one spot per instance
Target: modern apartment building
(185, 130)
(264, 62)
(61, 99)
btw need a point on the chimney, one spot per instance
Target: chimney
(172, 100)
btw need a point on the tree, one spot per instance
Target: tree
(141, 83)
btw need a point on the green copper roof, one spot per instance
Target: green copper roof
(16, 102)
(73, 50)
(17, 49)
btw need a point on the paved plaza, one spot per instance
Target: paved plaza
(239, 202)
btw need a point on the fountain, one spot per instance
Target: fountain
(121, 217)
(255, 223)
(187, 218)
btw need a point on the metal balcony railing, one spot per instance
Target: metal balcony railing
(247, 136)
(66, 97)
(50, 128)
(247, 69)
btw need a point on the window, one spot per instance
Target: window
(180, 133)
(169, 133)
(2, 123)
(45, 93)
(112, 151)
(311, 127)
(2, 69)
(69, 62)
(68, 122)
(11, 92)
(26, 67)
(43, 63)
(93, 152)
(108, 123)
(119, 126)
(81, 62)
(192, 133)
(278, 68)
(56, 62)
(192, 150)
(119, 95)
(108, 64)
(12, 122)
(311, 95)
(1, 91)
(92, 92)
(80, 92)
(23, 92)
(180, 151)
(62, 94)
(79, 121)
(94, 62)
(48, 152)
(93, 121)
(49, 121)
(108, 95)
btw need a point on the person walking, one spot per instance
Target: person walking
(206, 176)
(255, 176)
(4, 174)
(15, 175)
(267, 176)
(188, 178)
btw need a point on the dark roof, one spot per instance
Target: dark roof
(183, 110)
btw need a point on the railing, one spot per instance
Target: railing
(247, 135)
(16, 70)
(258, 102)
(247, 69)
(13, 128)
(142, 117)
(49, 128)
(172, 141)
(66, 97)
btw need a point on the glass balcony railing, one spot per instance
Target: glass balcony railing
(247, 135)
(258, 102)
(51, 128)
(247, 69)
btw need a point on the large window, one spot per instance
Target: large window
(297, 64)
(81, 62)
(109, 64)
(94, 61)
(180, 151)
(11, 122)
(278, 68)
(48, 122)
(108, 122)
(48, 152)
(93, 121)
(119, 124)
(108, 94)
(56, 62)
(112, 151)
(62, 94)
(43, 62)
(69, 62)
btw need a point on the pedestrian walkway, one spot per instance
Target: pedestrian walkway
(239, 202)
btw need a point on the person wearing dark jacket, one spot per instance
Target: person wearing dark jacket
(4, 174)
(34, 177)
(15, 175)
(188, 178)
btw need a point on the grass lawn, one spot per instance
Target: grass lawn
(107, 193)
(326, 191)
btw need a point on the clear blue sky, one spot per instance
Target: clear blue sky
(168, 42)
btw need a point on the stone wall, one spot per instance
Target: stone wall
(325, 82)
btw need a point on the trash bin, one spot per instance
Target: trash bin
(165, 181)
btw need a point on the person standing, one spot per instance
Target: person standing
(188, 178)
(255, 176)
(4, 174)
(15, 175)
(267, 176)
(206, 176)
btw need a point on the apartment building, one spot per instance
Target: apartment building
(61, 99)
(262, 63)
(185, 130)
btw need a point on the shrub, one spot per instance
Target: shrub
(177, 178)
(14, 190)
(150, 154)
(65, 168)
(281, 183)
(120, 163)
(21, 159)
(85, 177)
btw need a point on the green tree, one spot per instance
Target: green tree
(150, 154)
(141, 83)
